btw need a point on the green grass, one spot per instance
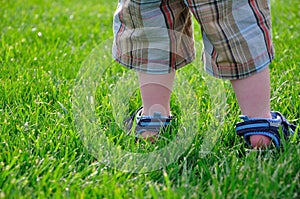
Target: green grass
(43, 45)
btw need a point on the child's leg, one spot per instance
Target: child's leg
(155, 92)
(237, 37)
(253, 95)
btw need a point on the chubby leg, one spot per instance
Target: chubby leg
(253, 95)
(155, 92)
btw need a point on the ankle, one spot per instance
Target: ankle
(163, 110)
(259, 115)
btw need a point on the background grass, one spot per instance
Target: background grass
(42, 46)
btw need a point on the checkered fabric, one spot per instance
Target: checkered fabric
(156, 36)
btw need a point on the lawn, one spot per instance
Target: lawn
(46, 48)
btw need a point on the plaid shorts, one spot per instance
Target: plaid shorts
(156, 36)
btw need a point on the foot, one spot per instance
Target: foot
(151, 135)
(147, 127)
(260, 141)
(261, 133)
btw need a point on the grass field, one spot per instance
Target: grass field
(43, 45)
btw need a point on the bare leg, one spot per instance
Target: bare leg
(156, 91)
(253, 95)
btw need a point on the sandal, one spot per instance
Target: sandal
(155, 123)
(266, 127)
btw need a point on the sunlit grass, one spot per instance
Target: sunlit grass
(43, 45)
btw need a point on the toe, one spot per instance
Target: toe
(260, 141)
(149, 135)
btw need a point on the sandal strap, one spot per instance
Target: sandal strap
(128, 122)
(152, 123)
(265, 126)
(144, 123)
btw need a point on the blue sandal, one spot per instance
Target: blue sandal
(155, 123)
(266, 127)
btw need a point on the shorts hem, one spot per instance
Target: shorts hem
(240, 76)
(156, 72)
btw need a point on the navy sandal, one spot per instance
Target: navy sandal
(266, 127)
(155, 123)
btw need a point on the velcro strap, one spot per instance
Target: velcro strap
(257, 126)
(150, 123)
(288, 128)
